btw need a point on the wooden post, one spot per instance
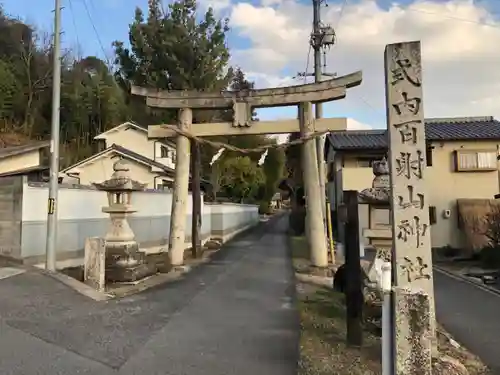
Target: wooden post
(316, 237)
(196, 248)
(354, 291)
(177, 237)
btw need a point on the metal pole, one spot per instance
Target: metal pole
(319, 107)
(387, 347)
(51, 244)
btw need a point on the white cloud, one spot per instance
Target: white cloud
(459, 49)
(353, 124)
(216, 5)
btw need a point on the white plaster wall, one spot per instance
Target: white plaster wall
(133, 139)
(233, 207)
(80, 216)
(74, 204)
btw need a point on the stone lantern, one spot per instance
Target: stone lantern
(124, 261)
(379, 231)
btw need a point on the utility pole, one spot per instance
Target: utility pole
(316, 43)
(323, 36)
(51, 244)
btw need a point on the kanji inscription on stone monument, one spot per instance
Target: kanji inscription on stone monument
(412, 261)
(407, 159)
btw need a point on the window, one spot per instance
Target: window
(173, 156)
(428, 155)
(432, 215)
(472, 161)
(163, 152)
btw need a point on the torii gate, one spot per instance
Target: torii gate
(242, 103)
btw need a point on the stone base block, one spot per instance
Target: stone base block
(413, 336)
(213, 245)
(130, 274)
(161, 262)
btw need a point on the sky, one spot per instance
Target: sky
(269, 41)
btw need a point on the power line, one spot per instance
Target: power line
(482, 23)
(74, 22)
(95, 31)
(307, 63)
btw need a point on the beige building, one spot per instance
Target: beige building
(30, 159)
(461, 159)
(151, 161)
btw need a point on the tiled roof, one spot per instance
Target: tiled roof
(436, 129)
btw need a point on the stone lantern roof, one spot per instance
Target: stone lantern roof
(120, 179)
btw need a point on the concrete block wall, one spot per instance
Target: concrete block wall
(11, 195)
(80, 216)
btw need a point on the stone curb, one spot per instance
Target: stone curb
(316, 280)
(78, 286)
(478, 284)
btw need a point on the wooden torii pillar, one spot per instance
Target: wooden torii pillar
(242, 103)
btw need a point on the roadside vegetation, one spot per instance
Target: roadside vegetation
(323, 348)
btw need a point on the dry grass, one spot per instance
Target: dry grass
(323, 348)
(472, 214)
(322, 345)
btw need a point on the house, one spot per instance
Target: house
(152, 161)
(461, 158)
(30, 159)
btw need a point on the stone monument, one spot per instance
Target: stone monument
(95, 263)
(124, 261)
(411, 250)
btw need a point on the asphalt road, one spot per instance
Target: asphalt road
(235, 315)
(471, 314)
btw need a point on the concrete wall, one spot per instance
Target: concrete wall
(24, 214)
(444, 187)
(11, 190)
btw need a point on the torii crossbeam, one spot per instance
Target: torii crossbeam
(242, 103)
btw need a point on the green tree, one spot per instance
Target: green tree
(240, 178)
(91, 103)
(274, 171)
(8, 88)
(174, 50)
(295, 186)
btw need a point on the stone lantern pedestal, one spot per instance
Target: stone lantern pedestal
(124, 261)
